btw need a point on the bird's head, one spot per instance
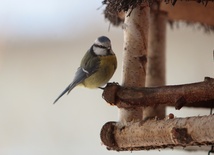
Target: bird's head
(102, 46)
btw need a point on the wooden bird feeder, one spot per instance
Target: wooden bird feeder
(142, 95)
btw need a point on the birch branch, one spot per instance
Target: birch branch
(199, 94)
(154, 134)
(135, 56)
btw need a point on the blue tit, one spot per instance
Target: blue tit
(96, 68)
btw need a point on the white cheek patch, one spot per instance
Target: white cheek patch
(99, 51)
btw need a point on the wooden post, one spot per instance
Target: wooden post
(156, 74)
(135, 56)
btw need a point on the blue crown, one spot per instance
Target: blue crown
(103, 39)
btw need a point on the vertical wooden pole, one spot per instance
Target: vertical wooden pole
(156, 72)
(135, 56)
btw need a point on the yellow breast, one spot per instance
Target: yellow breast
(108, 65)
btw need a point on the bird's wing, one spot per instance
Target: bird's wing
(89, 65)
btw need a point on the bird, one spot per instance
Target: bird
(96, 68)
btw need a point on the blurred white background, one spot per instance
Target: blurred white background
(41, 45)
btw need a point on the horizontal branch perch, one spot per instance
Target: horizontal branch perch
(199, 94)
(155, 134)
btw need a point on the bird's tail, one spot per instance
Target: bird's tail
(80, 76)
(68, 89)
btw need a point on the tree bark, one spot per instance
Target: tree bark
(156, 74)
(154, 134)
(199, 94)
(135, 56)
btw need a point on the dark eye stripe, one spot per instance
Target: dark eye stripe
(100, 46)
